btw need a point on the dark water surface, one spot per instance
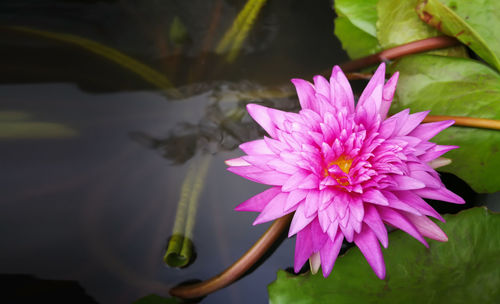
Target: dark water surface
(93, 153)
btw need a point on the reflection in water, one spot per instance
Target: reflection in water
(225, 123)
(19, 125)
(99, 207)
(29, 289)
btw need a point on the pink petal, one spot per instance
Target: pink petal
(237, 162)
(429, 130)
(260, 161)
(303, 248)
(388, 94)
(436, 152)
(325, 197)
(276, 146)
(371, 98)
(299, 221)
(294, 180)
(406, 183)
(305, 92)
(256, 147)
(294, 197)
(369, 247)
(387, 127)
(373, 220)
(427, 227)
(346, 227)
(429, 180)
(329, 254)
(281, 118)
(290, 157)
(412, 122)
(340, 90)
(400, 119)
(310, 182)
(356, 208)
(316, 137)
(245, 170)
(375, 197)
(318, 236)
(281, 166)
(441, 194)
(324, 220)
(273, 210)
(272, 178)
(258, 202)
(418, 203)
(395, 203)
(322, 86)
(260, 115)
(333, 229)
(312, 203)
(340, 205)
(397, 220)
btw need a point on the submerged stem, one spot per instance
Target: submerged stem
(419, 46)
(180, 246)
(467, 121)
(147, 73)
(236, 35)
(235, 271)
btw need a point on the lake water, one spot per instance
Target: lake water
(94, 148)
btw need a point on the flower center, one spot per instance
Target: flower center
(343, 163)
(340, 176)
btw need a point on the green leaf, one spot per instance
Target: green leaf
(457, 87)
(361, 13)
(355, 27)
(475, 23)
(462, 270)
(354, 41)
(398, 23)
(156, 299)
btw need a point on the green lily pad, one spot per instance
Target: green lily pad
(462, 270)
(398, 23)
(457, 87)
(475, 23)
(355, 27)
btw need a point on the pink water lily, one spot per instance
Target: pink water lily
(346, 170)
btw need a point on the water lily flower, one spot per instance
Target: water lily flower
(345, 169)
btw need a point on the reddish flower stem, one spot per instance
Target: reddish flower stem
(399, 51)
(467, 121)
(235, 271)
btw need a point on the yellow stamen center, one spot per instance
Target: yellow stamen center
(344, 165)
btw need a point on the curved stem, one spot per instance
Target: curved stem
(233, 272)
(399, 51)
(467, 121)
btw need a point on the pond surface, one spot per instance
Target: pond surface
(104, 105)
